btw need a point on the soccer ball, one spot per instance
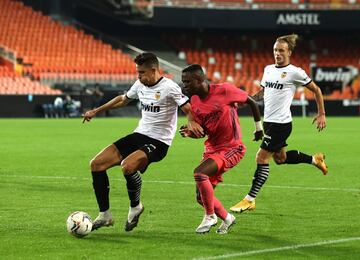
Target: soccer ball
(79, 224)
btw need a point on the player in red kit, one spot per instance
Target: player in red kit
(215, 109)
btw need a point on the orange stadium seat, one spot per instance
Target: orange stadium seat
(48, 46)
(243, 58)
(19, 85)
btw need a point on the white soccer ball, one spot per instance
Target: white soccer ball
(79, 224)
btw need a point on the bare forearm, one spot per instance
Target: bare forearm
(193, 126)
(254, 109)
(319, 101)
(187, 111)
(318, 97)
(114, 103)
(118, 101)
(258, 133)
(259, 95)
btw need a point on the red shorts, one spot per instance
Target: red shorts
(225, 160)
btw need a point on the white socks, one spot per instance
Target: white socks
(249, 198)
(106, 214)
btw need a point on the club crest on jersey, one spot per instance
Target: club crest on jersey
(157, 95)
(283, 75)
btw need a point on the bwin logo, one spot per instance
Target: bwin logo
(150, 108)
(274, 85)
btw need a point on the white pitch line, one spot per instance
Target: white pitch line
(183, 183)
(278, 249)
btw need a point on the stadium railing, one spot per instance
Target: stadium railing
(261, 4)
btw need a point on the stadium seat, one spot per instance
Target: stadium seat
(48, 46)
(11, 83)
(244, 58)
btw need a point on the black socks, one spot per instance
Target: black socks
(101, 188)
(295, 157)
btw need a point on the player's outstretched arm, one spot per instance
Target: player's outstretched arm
(258, 133)
(118, 101)
(193, 126)
(320, 118)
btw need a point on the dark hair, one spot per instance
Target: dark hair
(148, 59)
(195, 68)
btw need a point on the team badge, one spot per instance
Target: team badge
(157, 95)
(283, 75)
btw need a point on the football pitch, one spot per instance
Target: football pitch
(300, 214)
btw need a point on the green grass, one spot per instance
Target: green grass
(44, 176)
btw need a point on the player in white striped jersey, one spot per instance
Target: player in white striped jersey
(159, 97)
(279, 84)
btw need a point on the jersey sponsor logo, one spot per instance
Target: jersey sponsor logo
(275, 85)
(150, 108)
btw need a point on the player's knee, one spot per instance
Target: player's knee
(197, 170)
(128, 167)
(260, 160)
(96, 165)
(279, 160)
(262, 157)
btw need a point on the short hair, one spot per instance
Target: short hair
(195, 68)
(147, 59)
(289, 39)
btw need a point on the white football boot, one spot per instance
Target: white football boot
(226, 224)
(133, 217)
(207, 223)
(104, 219)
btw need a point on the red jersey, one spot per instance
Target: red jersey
(217, 114)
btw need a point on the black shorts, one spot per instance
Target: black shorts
(275, 136)
(155, 150)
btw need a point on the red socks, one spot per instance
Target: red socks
(209, 201)
(220, 211)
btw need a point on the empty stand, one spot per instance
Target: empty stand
(12, 84)
(48, 47)
(241, 59)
